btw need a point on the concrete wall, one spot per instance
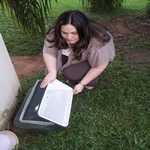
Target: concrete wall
(9, 85)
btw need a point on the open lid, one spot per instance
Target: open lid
(56, 103)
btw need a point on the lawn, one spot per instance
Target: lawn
(135, 4)
(114, 116)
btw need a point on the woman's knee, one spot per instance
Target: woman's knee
(69, 73)
(76, 71)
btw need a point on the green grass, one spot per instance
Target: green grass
(135, 4)
(114, 116)
(61, 6)
(17, 41)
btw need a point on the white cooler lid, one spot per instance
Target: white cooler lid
(56, 103)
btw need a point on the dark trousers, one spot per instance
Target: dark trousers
(75, 72)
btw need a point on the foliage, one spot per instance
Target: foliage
(30, 14)
(103, 5)
(17, 41)
(148, 9)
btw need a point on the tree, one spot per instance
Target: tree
(148, 9)
(103, 5)
(30, 14)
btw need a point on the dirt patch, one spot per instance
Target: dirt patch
(117, 26)
(140, 25)
(28, 65)
(140, 57)
(129, 28)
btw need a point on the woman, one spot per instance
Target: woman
(79, 48)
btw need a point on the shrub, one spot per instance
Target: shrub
(103, 5)
(148, 9)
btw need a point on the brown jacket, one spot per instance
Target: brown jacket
(96, 53)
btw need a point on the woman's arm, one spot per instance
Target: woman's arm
(50, 62)
(49, 56)
(91, 75)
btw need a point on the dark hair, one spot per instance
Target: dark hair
(86, 29)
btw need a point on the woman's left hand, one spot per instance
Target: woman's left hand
(78, 88)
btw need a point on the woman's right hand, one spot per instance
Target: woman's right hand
(48, 79)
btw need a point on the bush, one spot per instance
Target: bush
(103, 5)
(148, 9)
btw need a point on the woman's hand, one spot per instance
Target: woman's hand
(48, 78)
(78, 88)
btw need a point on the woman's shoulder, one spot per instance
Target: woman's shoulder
(49, 41)
(101, 52)
(50, 34)
(97, 43)
(100, 48)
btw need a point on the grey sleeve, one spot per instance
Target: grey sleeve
(48, 46)
(103, 55)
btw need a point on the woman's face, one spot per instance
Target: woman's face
(70, 34)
